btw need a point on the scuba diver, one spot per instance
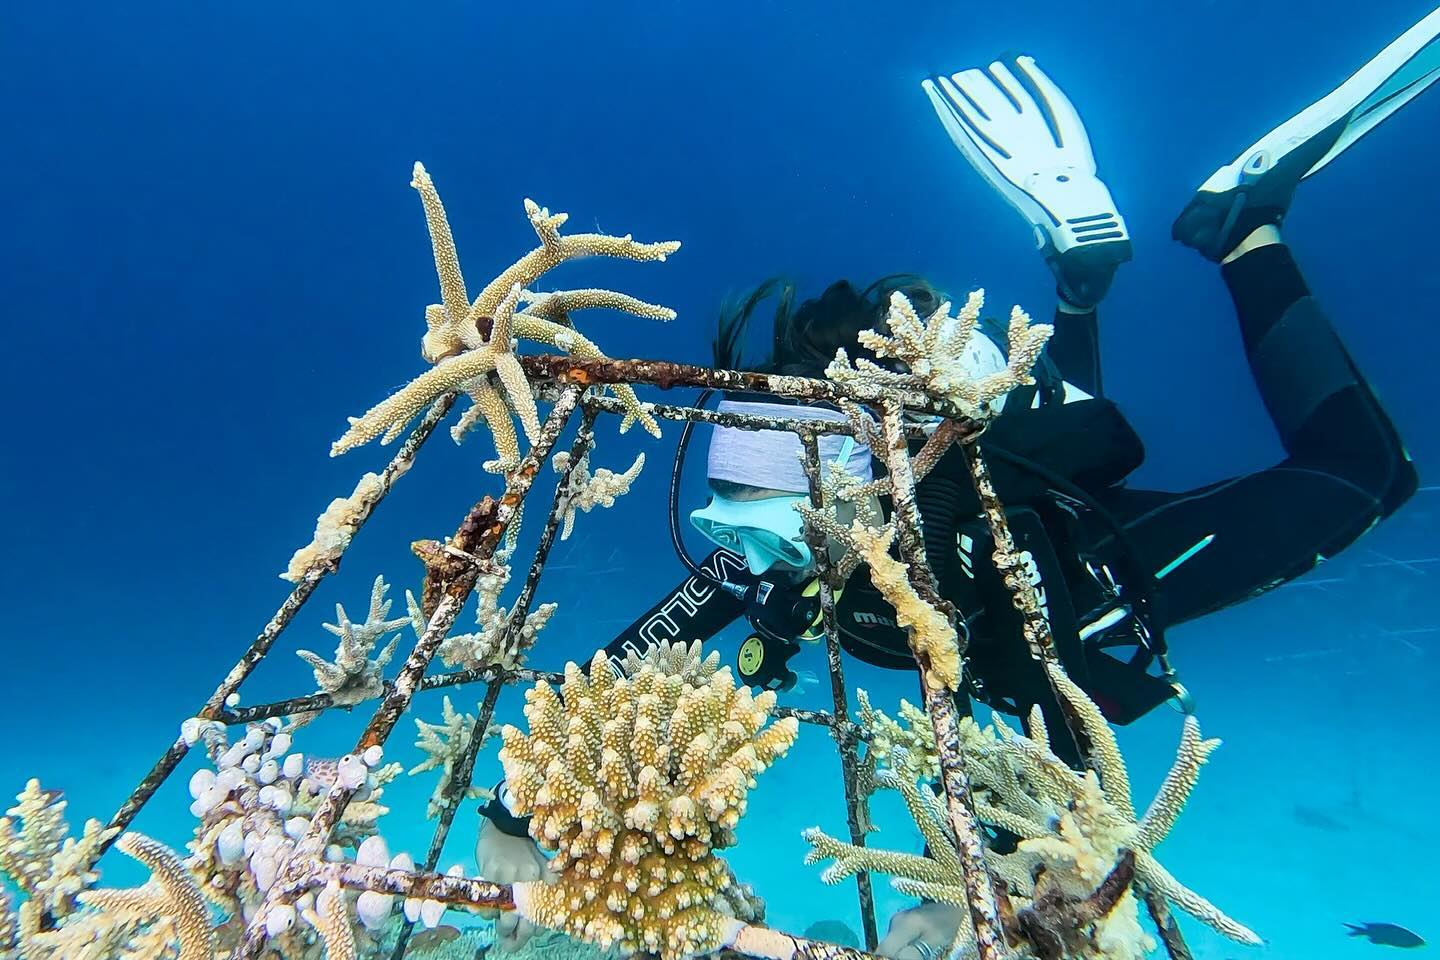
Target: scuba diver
(1115, 566)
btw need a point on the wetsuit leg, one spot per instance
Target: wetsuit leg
(1074, 348)
(1345, 468)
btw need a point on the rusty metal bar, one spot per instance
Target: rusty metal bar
(1041, 641)
(745, 421)
(1023, 595)
(320, 701)
(666, 375)
(478, 535)
(454, 793)
(464, 772)
(940, 701)
(854, 802)
(260, 646)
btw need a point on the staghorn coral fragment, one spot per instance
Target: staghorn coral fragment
(635, 783)
(907, 744)
(444, 743)
(932, 635)
(1073, 824)
(488, 405)
(586, 491)
(172, 894)
(557, 305)
(40, 857)
(334, 529)
(472, 345)
(493, 645)
(332, 919)
(934, 354)
(353, 677)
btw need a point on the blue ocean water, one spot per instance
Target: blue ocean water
(211, 257)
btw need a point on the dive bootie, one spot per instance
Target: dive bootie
(1256, 188)
(1022, 134)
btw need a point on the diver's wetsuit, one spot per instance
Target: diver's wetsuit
(1097, 545)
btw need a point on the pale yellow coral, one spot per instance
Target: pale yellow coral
(473, 344)
(686, 661)
(585, 491)
(557, 305)
(907, 744)
(1023, 787)
(332, 919)
(334, 529)
(933, 352)
(932, 636)
(38, 854)
(635, 782)
(171, 894)
(444, 744)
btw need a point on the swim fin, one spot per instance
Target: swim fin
(1023, 135)
(1257, 187)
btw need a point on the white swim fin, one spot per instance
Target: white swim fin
(1257, 187)
(1023, 135)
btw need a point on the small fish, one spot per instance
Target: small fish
(427, 940)
(1386, 934)
(1318, 819)
(833, 931)
(323, 770)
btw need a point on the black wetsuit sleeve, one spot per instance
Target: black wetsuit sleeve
(1089, 443)
(695, 609)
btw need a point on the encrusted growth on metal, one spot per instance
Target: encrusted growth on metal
(453, 567)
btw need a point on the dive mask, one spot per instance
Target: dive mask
(765, 532)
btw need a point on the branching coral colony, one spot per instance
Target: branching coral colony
(636, 774)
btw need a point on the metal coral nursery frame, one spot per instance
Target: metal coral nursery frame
(454, 570)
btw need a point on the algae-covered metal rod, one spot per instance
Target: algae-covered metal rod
(980, 900)
(845, 746)
(311, 703)
(454, 792)
(745, 421)
(666, 374)
(1011, 567)
(260, 646)
(453, 580)
(463, 772)
(1159, 909)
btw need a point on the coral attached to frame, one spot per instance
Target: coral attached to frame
(472, 344)
(444, 743)
(586, 491)
(1074, 827)
(494, 644)
(933, 352)
(636, 782)
(353, 677)
(255, 804)
(334, 529)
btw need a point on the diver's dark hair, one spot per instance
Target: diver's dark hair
(806, 337)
